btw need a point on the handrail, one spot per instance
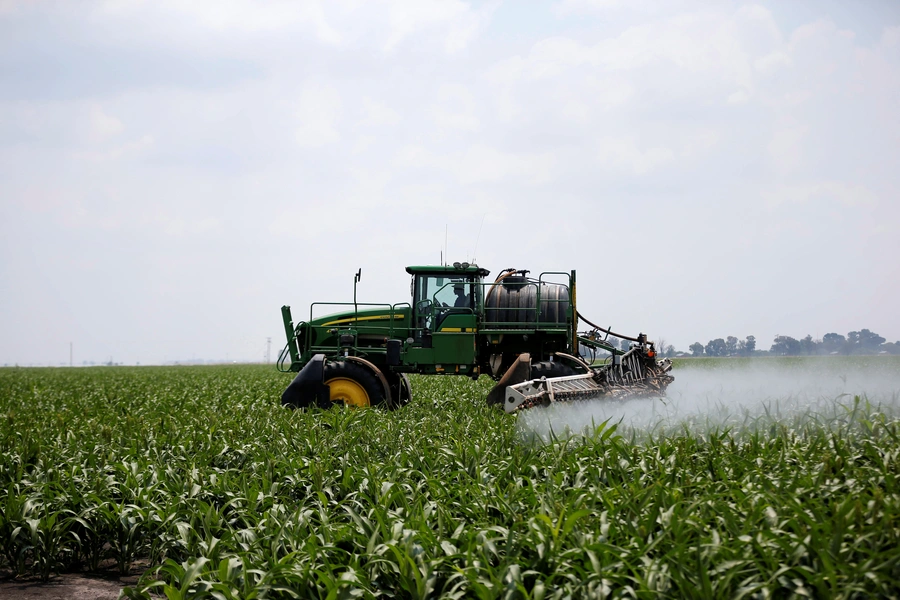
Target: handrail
(517, 326)
(355, 318)
(372, 304)
(279, 364)
(506, 326)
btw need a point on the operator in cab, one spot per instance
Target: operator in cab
(462, 300)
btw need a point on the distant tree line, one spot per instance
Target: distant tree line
(730, 346)
(855, 342)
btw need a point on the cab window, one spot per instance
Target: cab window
(443, 291)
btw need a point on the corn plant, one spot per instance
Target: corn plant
(229, 495)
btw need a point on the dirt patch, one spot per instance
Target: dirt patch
(69, 586)
(105, 585)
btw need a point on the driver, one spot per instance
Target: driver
(462, 300)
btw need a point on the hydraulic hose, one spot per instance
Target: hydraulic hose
(500, 277)
(607, 331)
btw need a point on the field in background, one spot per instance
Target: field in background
(745, 489)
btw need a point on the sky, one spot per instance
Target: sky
(172, 173)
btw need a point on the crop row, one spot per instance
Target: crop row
(231, 496)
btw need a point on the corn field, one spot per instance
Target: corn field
(228, 495)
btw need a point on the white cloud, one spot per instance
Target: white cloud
(771, 62)
(812, 31)
(376, 114)
(103, 126)
(363, 143)
(469, 26)
(238, 16)
(688, 57)
(458, 20)
(890, 37)
(479, 163)
(850, 195)
(180, 227)
(455, 122)
(786, 148)
(738, 97)
(755, 11)
(626, 154)
(454, 110)
(796, 97)
(318, 111)
(9, 7)
(698, 142)
(567, 7)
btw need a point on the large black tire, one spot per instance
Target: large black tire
(352, 384)
(401, 392)
(550, 369)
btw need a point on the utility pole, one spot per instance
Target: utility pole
(268, 349)
(70, 354)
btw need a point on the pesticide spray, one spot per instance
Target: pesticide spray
(735, 395)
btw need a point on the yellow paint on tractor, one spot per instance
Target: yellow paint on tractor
(348, 391)
(355, 319)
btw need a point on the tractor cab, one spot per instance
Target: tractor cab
(446, 303)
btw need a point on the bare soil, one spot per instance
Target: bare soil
(104, 585)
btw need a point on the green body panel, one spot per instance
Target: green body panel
(433, 333)
(370, 326)
(454, 340)
(377, 319)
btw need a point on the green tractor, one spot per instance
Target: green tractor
(519, 330)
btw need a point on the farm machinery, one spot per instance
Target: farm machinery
(519, 330)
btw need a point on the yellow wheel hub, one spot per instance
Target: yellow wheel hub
(348, 391)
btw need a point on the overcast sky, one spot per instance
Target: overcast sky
(172, 172)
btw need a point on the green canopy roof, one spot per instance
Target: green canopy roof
(449, 269)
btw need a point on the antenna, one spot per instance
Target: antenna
(478, 237)
(445, 243)
(356, 279)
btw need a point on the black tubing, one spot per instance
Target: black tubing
(607, 331)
